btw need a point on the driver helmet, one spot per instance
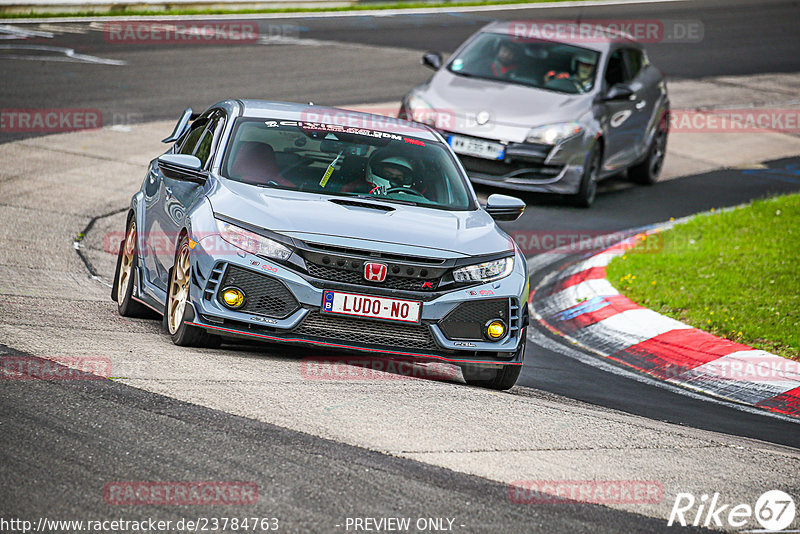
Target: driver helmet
(586, 59)
(389, 172)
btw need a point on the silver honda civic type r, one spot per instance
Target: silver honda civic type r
(533, 114)
(308, 225)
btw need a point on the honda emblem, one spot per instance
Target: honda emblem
(375, 272)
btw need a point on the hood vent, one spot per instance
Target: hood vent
(358, 204)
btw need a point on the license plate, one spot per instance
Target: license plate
(476, 147)
(407, 311)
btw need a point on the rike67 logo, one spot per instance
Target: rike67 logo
(774, 511)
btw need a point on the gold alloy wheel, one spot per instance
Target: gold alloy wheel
(178, 289)
(126, 264)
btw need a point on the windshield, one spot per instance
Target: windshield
(544, 64)
(345, 161)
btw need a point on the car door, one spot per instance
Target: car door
(620, 135)
(156, 238)
(181, 194)
(646, 95)
(651, 103)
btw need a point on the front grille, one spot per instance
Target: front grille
(366, 332)
(264, 295)
(467, 320)
(345, 265)
(515, 169)
(386, 256)
(356, 276)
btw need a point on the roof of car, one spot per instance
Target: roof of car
(538, 30)
(331, 115)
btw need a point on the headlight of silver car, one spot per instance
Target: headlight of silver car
(552, 134)
(421, 111)
(485, 272)
(252, 242)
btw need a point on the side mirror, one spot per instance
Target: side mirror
(504, 207)
(618, 92)
(432, 60)
(182, 167)
(180, 127)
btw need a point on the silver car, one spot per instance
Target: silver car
(547, 116)
(299, 224)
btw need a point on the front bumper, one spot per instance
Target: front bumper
(286, 307)
(529, 167)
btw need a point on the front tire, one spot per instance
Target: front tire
(588, 187)
(178, 309)
(648, 171)
(500, 379)
(122, 288)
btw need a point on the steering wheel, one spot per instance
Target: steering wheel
(561, 83)
(578, 85)
(553, 75)
(406, 190)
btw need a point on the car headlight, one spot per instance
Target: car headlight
(252, 242)
(552, 134)
(485, 272)
(421, 111)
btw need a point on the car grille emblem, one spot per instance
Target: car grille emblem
(375, 272)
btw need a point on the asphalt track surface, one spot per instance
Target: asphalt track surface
(119, 430)
(57, 460)
(159, 80)
(739, 37)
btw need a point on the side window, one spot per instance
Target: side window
(207, 141)
(204, 148)
(192, 136)
(615, 70)
(635, 62)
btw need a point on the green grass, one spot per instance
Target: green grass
(735, 274)
(124, 11)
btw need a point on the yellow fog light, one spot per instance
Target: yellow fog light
(495, 329)
(232, 297)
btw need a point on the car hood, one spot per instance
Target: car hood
(406, 229)
(513, 109)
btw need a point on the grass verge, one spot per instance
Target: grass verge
(125, 11)
(735, 274)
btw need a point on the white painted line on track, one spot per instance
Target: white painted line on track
(11, 32)
(63, 54)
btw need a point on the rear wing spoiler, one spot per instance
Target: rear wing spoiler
(182, 125)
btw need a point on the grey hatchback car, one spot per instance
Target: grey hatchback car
(542, 115)
(318, 226)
